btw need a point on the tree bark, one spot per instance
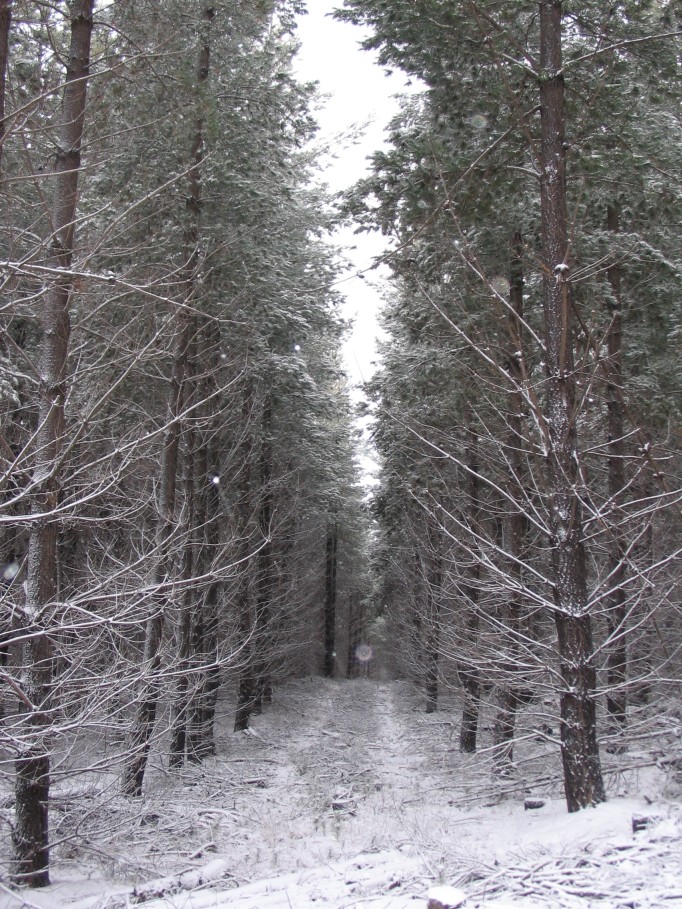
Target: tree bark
(330, 599)
(517, 522)
(180, 707)
(617, 660)
(5, 25)
(434, 583)
(643, 648)
(265, 581)
(580, 751)
(244, 598)
(184, 329)
(145, 718)
(469, 673)
(470, 679)
(30, 835)
(355, 633)
(201, 732)
(201, 714)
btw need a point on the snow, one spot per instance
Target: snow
(449, 897)
(345, 794)
(9, 572)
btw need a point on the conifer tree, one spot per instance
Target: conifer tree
(471, 166)
(30, 835)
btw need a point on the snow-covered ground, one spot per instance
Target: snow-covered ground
(345, 794)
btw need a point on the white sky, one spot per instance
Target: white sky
(359, 94)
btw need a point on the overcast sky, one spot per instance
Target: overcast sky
(359, 94)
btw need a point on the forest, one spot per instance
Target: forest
(191, 558)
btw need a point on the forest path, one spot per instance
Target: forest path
(337, 761)
(346, 795)
(349, 796)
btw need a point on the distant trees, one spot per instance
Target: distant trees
(518, 348)
(176, 432)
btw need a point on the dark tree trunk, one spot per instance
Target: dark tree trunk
(254, 683)
(517, 521)
(244, 597)
(330, 600)
(180, 710)
(504, 728)
(30, 835)
(145, 718)
(185, 327)
(246, 699)
(5, 25)
(192, 519)
(201, 733)
(431, 684)
(204, 623)
(470, 680)
(415, 631)
(616, 698)
(200, 736)
(180, 717)
(469, 673)
(355, 631)
(265, 580)
(643, 649)
(580, 751)
(434, 583)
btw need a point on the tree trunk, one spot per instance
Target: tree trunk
(5, 25)
(434, 583)
(580, 751)
(200, 734)
(265, 581)
(192, 520)
(643, 648)
(355, 632)
(469, 673)
(255, 683)
(616, 698)
(470, 679)
(244, 597)
(246, 700)
(30, 835)
(330, 600)
(184, 329)
(504, 729)
(517, 521)
(145, 718)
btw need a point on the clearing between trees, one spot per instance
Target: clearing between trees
(345, 794)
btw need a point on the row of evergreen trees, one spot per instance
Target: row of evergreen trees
(178, 505)
(529, 402)
(177, 496)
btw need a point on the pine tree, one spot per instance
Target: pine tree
(471, 166)
(30, 835)
(207, 438)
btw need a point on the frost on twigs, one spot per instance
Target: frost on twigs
(347, 796)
